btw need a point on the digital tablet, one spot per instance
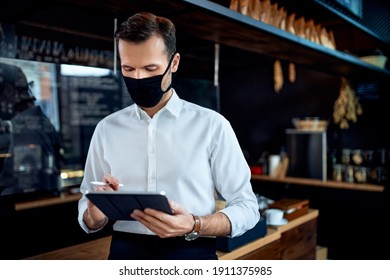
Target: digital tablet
(118, 205)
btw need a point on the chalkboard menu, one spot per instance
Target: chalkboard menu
(24, 42)
(83, 102)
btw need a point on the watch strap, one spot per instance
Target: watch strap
(195, 233)
(197, 225)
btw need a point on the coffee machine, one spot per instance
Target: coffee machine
(307, 153)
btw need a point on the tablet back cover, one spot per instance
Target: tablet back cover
(119, 206)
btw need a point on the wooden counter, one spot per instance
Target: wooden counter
(98, 249)
(47, 201)
(92, 250)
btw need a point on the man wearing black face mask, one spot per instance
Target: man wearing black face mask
(163, 143)
(147, 92)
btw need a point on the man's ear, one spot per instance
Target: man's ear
(175, 62)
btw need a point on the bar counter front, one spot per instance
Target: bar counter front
(295, 240)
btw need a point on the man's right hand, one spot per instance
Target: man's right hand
(93, 217)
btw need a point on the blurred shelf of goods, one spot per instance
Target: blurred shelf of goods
(359, 166)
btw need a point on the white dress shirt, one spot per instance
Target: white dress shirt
(185, 150)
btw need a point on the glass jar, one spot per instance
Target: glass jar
(349, 174)
(346, 156)
(360, 174)
(357, 157)
(338, 172)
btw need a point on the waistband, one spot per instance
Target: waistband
(149, 237)
(126, 245)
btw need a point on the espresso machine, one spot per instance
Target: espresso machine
(307, 153)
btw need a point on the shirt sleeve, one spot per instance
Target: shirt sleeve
(95, 168)
(232, 180)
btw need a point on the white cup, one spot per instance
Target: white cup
(273, 163)
(274, 216)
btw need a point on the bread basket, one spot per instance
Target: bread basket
(310, 124)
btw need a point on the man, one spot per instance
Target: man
(35, 146)
(163, 143)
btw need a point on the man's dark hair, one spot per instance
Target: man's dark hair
(141, 26)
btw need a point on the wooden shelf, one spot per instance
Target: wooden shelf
(319, 183)
(47, 201)
(200, 19)
(217, 23)
(329, 15)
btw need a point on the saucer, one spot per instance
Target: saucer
(282, 222)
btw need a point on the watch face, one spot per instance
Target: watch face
(191, 236)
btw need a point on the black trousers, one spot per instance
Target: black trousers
(130, 246)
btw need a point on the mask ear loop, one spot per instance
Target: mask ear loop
(166, 71)
(170, 63)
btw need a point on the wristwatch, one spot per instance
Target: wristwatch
(195, 233)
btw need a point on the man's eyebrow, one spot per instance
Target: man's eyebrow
(145, 66)
(152, 65)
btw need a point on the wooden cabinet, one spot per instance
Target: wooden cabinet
(294, 241)
(269, 252)
(299, 243)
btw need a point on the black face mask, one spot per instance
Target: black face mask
(147, 92)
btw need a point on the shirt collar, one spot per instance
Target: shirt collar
(173, 106)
